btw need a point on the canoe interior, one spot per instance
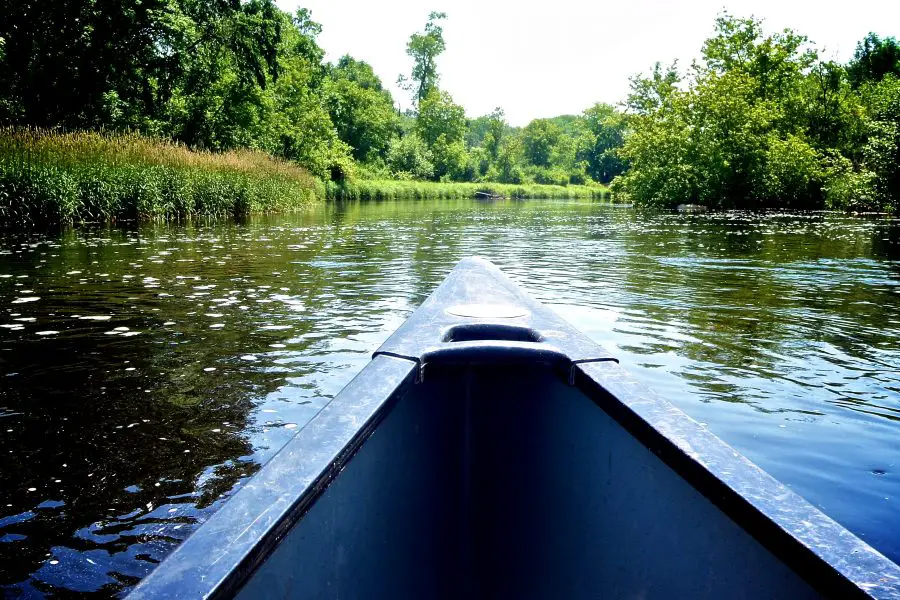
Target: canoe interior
(505, 482)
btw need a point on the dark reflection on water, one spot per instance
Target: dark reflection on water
(145, 374)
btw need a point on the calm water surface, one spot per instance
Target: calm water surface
(145, 373)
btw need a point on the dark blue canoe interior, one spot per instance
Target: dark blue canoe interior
(509, 457)
(514, 485)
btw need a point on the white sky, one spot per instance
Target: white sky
(542, 59)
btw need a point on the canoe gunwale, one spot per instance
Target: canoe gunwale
(827, 555)
(223, 553)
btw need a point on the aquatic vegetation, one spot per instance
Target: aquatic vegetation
(428, 190)
(49, 177)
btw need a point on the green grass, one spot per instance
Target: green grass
(370, 189)
(49, 177)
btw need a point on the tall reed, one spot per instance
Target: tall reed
(49, 177)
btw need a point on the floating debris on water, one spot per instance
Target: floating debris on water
(25, 299)
(48, 332)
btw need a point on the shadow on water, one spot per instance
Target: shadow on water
(147, 372)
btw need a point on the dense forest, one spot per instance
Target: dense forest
(759, 121)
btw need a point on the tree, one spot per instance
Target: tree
(361, 109)
(409, 157)
(509, 161)
(487, 131)
(881, 153)
(874, 58)
(829, 110)
(538, 140)
(605, 133)
(79, 62)
(442, 126)
(424, 48)
(296, 124)
(439, 115)
(650, 93)
(775, 62)
(731, 138)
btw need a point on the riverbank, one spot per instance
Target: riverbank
(368, 189)
(49, 178)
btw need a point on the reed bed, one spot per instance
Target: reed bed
(49, 177)
(369, 189)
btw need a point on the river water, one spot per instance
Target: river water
(146, 372)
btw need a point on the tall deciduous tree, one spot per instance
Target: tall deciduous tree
(361, 109)
(424, 48)
(538, 140)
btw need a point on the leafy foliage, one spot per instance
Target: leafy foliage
(361, 109)
(760, 122)
(424, 48)
(874, 58)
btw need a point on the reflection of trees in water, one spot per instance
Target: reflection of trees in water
(758, 295)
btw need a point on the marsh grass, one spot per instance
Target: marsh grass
(49, 177)
(371, 189)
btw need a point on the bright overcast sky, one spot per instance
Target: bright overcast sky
(542, 59)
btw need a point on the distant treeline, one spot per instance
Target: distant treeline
(759, 121)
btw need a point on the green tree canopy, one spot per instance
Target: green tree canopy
(874, 58)
(538, 141)
(730, 137)
(605, 133)
(361, 109)
(440, 116)
(73, 62)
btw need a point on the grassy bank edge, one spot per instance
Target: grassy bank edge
(372, 189)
